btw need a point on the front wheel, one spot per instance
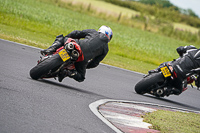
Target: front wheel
(144, 85)
(44, 67)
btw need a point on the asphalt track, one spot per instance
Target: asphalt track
(48, 106)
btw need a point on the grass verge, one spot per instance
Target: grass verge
(174, 122)
(41, 23)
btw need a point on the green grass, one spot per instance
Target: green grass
(174, 122)
(42, 22)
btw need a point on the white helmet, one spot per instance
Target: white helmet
(107, 31)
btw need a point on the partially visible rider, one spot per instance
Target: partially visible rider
(94, 47)
(189, 60)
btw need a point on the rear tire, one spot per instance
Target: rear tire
(45, 66)
(143, 86)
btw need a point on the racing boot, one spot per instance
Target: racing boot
(153, 71)
(59, 41)
(176, 91)
(48, 51)
(62, 74)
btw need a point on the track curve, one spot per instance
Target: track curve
(49, 106)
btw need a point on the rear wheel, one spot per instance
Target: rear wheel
(144, 85)
(45, 66)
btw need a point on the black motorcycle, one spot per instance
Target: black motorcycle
(161, 83)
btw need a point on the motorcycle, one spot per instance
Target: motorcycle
(161, 82)
(49, 66)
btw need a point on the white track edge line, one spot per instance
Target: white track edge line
(94, 108)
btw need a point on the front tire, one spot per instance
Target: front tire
(44, 67)
(143, 86)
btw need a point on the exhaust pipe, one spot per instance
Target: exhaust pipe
(160, 91)
(75, 54)
(70, 46)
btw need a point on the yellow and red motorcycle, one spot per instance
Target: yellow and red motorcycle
(49, 66)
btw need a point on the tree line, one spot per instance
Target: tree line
(161, 9)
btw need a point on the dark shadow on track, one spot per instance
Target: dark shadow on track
(174, 102)
(69, 87)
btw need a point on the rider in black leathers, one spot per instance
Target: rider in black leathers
(189, 60)
(94, 47)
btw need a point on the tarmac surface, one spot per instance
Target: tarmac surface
(48, 106)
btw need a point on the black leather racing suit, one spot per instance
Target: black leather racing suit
(189, 59)
(94, 47)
